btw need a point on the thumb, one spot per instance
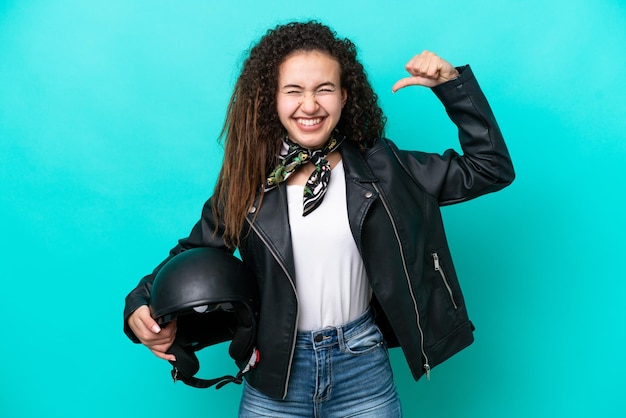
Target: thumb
(155, 328)
(147, 320)
(403, 82)
(410, 81)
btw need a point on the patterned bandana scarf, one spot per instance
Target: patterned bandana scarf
(297, 156)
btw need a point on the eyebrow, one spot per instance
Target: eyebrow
(297, 86)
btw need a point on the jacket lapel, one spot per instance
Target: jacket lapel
(272, 225)
(360, 193)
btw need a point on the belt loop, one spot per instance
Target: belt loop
(340, 339)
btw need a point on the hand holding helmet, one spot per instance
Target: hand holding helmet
(157, 339)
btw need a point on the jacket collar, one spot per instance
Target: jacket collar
(355, 165)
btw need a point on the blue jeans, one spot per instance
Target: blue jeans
(336, 372)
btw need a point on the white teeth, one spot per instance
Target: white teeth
(309, 122)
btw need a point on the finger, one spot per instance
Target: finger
(165, 337)
(163, 355)
(434, 66)
(169, 330)
(418, 65)
(425, 65)
(149, 338)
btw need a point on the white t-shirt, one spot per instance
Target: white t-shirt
(331, 281)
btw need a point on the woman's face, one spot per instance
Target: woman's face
(309, 98)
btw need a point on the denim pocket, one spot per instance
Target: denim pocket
(365, 342)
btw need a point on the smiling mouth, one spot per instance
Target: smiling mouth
(309, 122)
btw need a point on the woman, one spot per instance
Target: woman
(342, 228)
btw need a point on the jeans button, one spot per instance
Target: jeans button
(318, 338)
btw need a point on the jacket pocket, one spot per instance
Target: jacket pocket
(439, 268)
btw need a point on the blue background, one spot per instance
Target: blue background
(109, 117)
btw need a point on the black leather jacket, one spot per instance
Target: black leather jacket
(393, 199)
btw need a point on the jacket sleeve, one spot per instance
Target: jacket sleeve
(485, 165)
(202, 235)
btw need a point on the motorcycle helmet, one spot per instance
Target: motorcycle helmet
(214, 298)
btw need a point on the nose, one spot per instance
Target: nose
(308, 103)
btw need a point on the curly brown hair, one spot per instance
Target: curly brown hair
(252, 132)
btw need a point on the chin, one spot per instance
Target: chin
(311, 141)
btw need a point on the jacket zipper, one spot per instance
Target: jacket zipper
(291, 281)
(439, 269)
(426, 365)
